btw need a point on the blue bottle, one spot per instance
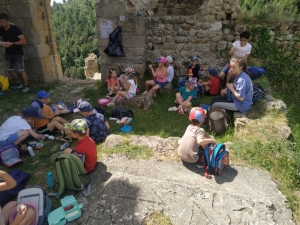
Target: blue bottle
(50, 180)
(228, 95)
(64, 146)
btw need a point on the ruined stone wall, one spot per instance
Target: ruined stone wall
(42, 61)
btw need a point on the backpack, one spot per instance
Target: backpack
(216, 159)
(120, 112)
(4, 83)
(200, 90)
(258, 92)
(217, 121)
(21, 178)
(181, 82)
(35, 198)
(71, 173)
(9, 155)
(255, 72)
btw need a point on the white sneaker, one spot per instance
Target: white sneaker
(111, 104)
(173, 109)
(145, 92)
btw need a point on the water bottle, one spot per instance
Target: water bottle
(64, 146)
(228, 95)
(30, 150)
(50, 180)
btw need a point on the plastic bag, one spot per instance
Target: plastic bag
(114, 47)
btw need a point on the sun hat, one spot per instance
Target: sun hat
(192, 81)
(198, 114)
(161, 59)
(194, 58)
(32, 111)
(213, 72)
(42, 94)
(128, 70)
(84, 106)
(77, 125)
(169, 59)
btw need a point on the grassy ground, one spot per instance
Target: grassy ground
(257, 146)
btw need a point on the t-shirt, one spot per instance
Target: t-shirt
(97, 126)
(112, 81)
(243, 86)
(133, 86)
(214, 85)
(195, 70)
(160, 79)
(170, 74)
(185, 95)
(88, 147)
(11, 35)
(188, 149)
(241, 51)
(46, 110)
(13, 125)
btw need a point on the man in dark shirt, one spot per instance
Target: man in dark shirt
(14, 54)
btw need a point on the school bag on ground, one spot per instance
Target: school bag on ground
(21, 178)
(258, 93)
(217, 121)
(181, 82)
(255, 72)
(119, 112)
(216, 158)
(199, 90)
(35, 198)
(70, 173)
(9, 155)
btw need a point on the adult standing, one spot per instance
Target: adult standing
(170, 69)
(14, 53)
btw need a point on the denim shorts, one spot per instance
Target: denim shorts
(13, 60)
(160, 84)
(10, 140)
(130, 94)
(226, 68)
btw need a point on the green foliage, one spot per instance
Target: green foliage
(262, 9)
(74, 25)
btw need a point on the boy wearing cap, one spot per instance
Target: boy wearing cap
(194, 139)
(85, 145)
(48, 121)
(160, 77)
(170, 69)
(212, 86)
(194, 68)
(17, 128)
(98, 126)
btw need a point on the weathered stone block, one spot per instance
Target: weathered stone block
(142, 102)
(37, 51)
(221, 45)
(132, 40)
(186, 26)
(205, 11)
(110, 10)
(179, 39)
(217, 26)
(136, 25)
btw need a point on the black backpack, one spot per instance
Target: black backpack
(258, 92)
(120, 112)
(217, 121)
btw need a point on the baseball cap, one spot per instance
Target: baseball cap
(76, 104)
(169, 59)
(197, 113)
(78, 125)
(42, 94)
(193, 82)
(32, 111)
(213, 72)
(161, 60)
(194, 58)
(84, 106)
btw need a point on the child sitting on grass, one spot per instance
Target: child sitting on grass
(98, 126)
(212, 86)
(195, 139)
(85, 145)
(48, 122)
(185, 96)
(113, 84)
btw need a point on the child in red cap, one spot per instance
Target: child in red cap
(194, 139)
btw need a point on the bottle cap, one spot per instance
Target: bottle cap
(49, 174)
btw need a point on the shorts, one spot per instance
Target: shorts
(10, 140)
(160, 84)
(13, 60)
(208, 93)
(43, 130)
(130, 94)
(226, 68)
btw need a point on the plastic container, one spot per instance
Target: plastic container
(64, 146)
(228, 95)
(30, 150)
(50, 180)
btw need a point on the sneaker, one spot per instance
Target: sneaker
(145, 92)
(180, 110)
(25, 89)
(186, 110)
(108, 96)
(173, 109)
(17, 86)
(111, 104)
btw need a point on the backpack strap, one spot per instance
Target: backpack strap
(60, 176)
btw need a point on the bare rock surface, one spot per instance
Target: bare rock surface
(125, 191)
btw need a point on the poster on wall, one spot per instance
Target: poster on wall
(105, 28)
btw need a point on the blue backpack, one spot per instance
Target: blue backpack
(216, 159)
(255, 72)
(258, 93)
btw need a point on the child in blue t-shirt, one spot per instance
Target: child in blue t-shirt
(185, 96)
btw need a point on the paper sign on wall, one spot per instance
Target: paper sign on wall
(105, 28)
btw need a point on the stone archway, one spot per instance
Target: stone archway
(42, 61)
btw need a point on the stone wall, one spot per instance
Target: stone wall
(42, 61)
